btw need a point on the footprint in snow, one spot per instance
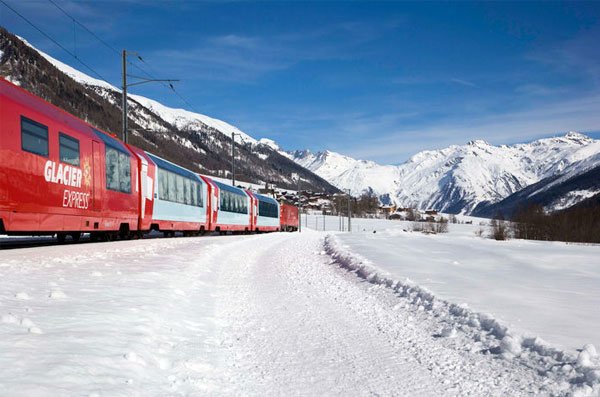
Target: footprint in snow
(9, 319)
(57, 294)
(133, 357)
(22, 296)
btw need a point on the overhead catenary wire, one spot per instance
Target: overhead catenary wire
(55, 41)
(84, 27)
(110, 47)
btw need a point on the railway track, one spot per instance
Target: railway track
(9, 243)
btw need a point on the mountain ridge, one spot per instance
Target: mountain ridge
(457, 178)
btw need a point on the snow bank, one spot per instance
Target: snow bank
(582, 372)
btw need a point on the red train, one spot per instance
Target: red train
(60, 175)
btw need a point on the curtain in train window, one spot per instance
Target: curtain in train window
(163, 184)
(180, 189)
(200, 195)
(187, 187)
(112, 169)
(194, 193)
(172, 187)
(124, 173)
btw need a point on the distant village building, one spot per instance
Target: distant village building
(387, 209)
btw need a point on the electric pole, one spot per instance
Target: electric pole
(233, 158)
(349, 212)
(142, 80)
(233, 134)
(299, 207)
(124, 104)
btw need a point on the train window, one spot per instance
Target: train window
(194, 193)
(267, 209)
(34, 137)
(172, 187)
(179, 197)
(68, 149)
(188, 192)
(112, 169)
(118, 171)
(124, 173)
(163, 184)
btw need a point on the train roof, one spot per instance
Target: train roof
(111, 142)
(37, 104)
(229, 188)
(172, 167)
(266, 199)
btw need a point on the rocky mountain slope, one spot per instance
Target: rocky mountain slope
(193, 140)
(458, 179)
(554, 193)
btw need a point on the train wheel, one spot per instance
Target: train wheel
(75, 236)
(61, 237)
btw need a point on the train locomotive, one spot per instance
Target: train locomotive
(60, 175)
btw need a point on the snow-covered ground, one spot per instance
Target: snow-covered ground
(275, 314)
(548, 289)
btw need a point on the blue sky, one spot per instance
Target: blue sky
(378, 81)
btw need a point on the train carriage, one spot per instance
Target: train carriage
(230, 207)
(289, 218)
(179, 198)
(267, 213)
(60, 175)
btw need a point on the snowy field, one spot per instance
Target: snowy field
(547, 289)
(274, 314)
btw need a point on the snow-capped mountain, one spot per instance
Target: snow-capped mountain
(459, 178)
(193, 140)
(347, 173)
(579, 182)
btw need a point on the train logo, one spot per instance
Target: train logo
(69, 176)
(62, 174)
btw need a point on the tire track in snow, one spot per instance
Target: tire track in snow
(290, 334)
(298, 325)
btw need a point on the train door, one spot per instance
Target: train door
(254, 203)
(96, 176)
(215, 203)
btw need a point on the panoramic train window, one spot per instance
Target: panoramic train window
(232, 202)
(34, 137)
(179, 189)
(187, 189)
(172, 187)
(267, 209)
(194, 193)
(118, 171)
(68, 149)
(163, 184)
